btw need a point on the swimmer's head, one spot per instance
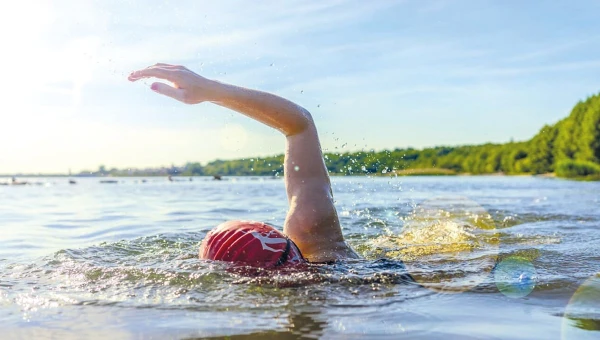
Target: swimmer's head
(251, 243)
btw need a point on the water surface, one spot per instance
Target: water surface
(492, 257)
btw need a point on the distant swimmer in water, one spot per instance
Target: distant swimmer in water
(14, 181)
(311, 231)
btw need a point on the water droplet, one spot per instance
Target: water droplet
(296, 168)
(319, 105)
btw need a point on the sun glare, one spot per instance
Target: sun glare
(43, 68)
(21, 30)
(80, 66)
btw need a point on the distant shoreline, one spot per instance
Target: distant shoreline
(429, 172)
(393, 173)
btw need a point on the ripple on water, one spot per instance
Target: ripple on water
(143, 262)
(118, 231)
(163, 271)
(62, 226)
(507, 219)
(181, 213)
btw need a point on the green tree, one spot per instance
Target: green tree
(541, 150)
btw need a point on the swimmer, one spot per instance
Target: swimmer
(311, 231)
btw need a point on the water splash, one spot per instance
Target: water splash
(449, 244)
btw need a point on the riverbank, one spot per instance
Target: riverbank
(5, 179)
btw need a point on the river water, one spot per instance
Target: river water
(488, 257)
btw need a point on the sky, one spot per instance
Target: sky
(374, 74)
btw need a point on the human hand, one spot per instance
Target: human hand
(188, 87)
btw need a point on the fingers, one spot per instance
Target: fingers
(168, 91)
(159, 70)
(171, 75)
(169, 66)
(178, 75)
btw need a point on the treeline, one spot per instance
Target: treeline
(571, 148)
(267, 166)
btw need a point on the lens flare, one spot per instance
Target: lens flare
(582, 315)
(515, 277)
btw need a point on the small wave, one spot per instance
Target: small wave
(164, 271)
(62, 226)
(123, 231)
(229, 211)
(505, 219)
(181, 213)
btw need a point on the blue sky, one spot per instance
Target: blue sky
(374, 74)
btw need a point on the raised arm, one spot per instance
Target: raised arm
(312, 221)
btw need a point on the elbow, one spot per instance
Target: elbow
(303, 122)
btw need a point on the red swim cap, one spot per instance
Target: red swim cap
(253, 243)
